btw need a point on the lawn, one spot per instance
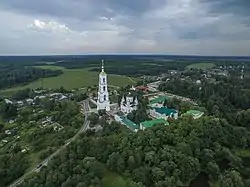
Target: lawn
(114, 180)
(245, 153)
(70, 79)
(201, 66)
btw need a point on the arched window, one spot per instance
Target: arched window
(104, 97)
(104, 88)
(103, 80)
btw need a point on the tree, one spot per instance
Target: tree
(8, 110)
(47, 104)
(101, 112)
(93, 118)
(231, 179)
(213, 170)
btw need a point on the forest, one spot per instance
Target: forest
(161, 156)
(13, 77)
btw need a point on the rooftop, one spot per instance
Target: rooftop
(151, 123)
(165, 110)
(194, 113)
(129, 123)
(159, 99)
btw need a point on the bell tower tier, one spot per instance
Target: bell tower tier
(103, 95)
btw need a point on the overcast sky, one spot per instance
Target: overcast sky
(194, 27)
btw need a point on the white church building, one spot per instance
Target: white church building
(103, 102)
(128, 104)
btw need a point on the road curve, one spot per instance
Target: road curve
(83, 128)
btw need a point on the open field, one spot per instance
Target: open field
(243, 153)
(70, 79)
(201, 66)
(114, 180)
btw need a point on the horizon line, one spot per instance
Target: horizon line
(119, 54)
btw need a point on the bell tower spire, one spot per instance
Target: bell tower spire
(102, 65)
(103, 95)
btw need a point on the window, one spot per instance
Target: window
(104, 88)
(104, 97)
(103, 80)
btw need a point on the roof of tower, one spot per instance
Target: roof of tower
(103, 72)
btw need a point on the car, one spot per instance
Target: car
(38, 166)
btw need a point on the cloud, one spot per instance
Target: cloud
(51, 26)
(208, 27)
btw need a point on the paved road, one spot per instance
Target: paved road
(84, 127)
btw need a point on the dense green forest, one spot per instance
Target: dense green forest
(162, 156)
(10, 76)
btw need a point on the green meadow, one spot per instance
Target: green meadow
(201, 66)
(70, 79)
(114, 180)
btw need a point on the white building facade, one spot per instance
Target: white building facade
(128, 104)
(163, 113)
(103, 102)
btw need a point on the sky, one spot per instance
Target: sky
(174, 27)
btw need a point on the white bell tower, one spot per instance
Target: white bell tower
(103, 95)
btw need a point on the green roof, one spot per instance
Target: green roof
(159, 99)
(129, 123)
(151, 123)
(165, 110)
(194, 112)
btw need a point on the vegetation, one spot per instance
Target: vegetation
(202, 66)
(36, 132)
(10, 77)
(212, 150)
(70, 79)
(186, 153)
(140, 115)
(160, 156)
(223, 99)
(8, 110)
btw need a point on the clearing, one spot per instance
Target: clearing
(115, 180)
(70, 79)
(201, 66)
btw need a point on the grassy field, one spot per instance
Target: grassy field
(114, 180)
(243, 153)
(201, 66)
(71, 78)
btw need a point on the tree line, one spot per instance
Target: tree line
(12, 77)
